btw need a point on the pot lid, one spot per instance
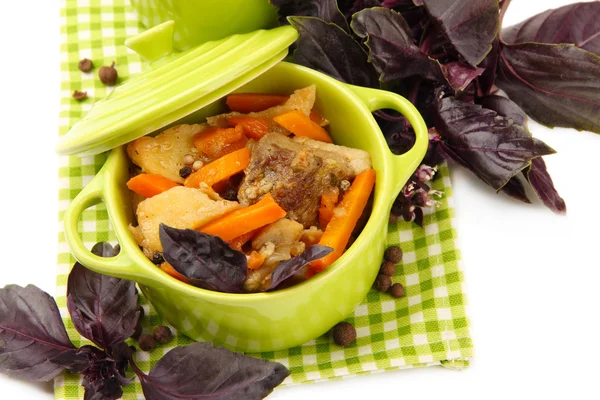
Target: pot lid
(173, 85)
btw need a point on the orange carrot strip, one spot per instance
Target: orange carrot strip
(220, 169)
(238, 242)
(255, 260)
(254, 128)
(328, 203)
(216, 142)
(254, 102)
(316, 117)
(345, 216)
(301, 125)
(245, 220)
(168, 268)
(149, 185)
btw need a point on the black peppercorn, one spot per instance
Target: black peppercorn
(383, 283)
(158, 258)
(388, 268)
(138, 331)
(108, 75)
(79, 96)
(393, 254)
(86, 65)
(185, 172)
(146, 342)
(397, 290)
(344, 334)
(162, 334)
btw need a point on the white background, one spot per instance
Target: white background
(532, 276)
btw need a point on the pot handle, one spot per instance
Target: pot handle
(404, 164)
(123, 264)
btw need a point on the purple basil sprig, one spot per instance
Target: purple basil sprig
(34, 345)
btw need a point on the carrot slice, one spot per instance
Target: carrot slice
(254, 128)
(316, 117)
(245, 220)
(345, 216)
(254, 102)
(220, 169)
(255, 260)
(301, 125)
(168, 268)
(238, 242)
(216, 142)
(149, 185)
(328, 203)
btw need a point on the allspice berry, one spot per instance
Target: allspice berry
(344, 334)
(86, 65)
(147, 342)
(108, 75)
(397, 290)
(162, 334)
(383, 283)
(393, 254)
(79, 96)
(388, 268)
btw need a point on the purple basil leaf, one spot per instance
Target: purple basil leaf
(489, 64)
(391, 46)
(102, 308)
(31, 333)
(204, 371)
(328, 49)
(577, 24)
(557, 85)
(491, 146)
(542, 184)
(327, 10)
(288, 268)
(206, 260)
(470, 25)
(505, 108)
(459, 75)
(401, 3)
(103, 249)
(515, 189)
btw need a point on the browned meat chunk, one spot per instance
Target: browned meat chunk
(295, 174)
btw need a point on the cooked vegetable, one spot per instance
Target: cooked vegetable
(238, 242)
(220, 169)
(164, 154)
(255, 260)
(316, 117)
(149, 185)
(168, 268)
(329, 200)
(217, 142)
(252, 127)
(254, 102)
(344, 218)
(245, 220)
(301, 125)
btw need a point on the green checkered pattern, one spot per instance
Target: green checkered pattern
(428, 326)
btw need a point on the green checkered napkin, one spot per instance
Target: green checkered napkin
(427, 327)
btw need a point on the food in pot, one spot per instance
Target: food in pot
(264, 178)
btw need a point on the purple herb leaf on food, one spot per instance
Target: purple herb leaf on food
(206, 260)
(557, 85)
(470, 25)
(491, 146)
(31, 333)
(329, 49)
(203, 371)
(102, 308)
(327, 10)
(542, 184)
(391, 46)
(577, 24)
(288, 268)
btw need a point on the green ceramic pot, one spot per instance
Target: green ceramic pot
(288, 317)
(199, 21)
